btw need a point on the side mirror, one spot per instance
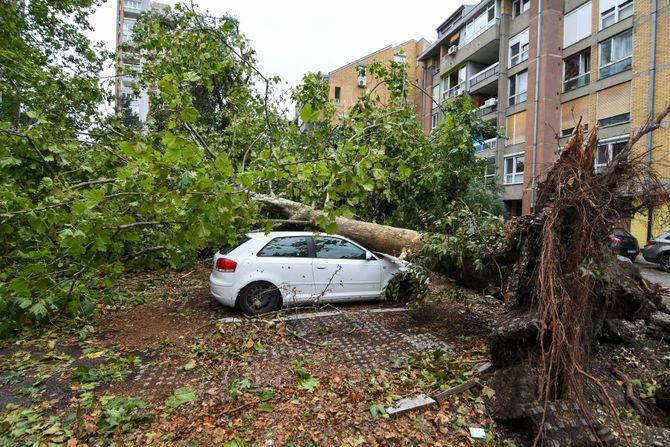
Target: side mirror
(369, 256)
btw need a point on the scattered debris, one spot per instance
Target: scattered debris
(410, 404)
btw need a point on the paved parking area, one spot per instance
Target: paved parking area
(653, 273)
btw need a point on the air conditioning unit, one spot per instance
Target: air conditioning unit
(452, 50)
(490, 102)
(362, 82)
(459, 91)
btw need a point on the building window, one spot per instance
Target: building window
(490, 170)
(572, 112)
(513, 172)
(481, 23)
(399, 57)
(612, 11)
(518, 48)
(615, 54)
(519, 7)
(337, 95)
(577, 71)
(436, 95)
(577, 25)
(433, 121)
(518, 87)
(362, 79)
(615, 120)
(128, 31)
(454, 83)
(607, 150)
(614, 105)
(516, 128)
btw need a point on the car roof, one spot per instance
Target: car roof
(271, 234)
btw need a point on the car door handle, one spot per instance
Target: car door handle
(321, 268)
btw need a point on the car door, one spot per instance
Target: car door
(286, 262)
(342, 271)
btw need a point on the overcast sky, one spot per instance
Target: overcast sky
(294, 37)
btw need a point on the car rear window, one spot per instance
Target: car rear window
(622, 233)
(335, 248)
(286, 247)
(241, 239)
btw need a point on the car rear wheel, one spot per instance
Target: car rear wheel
(664, 263)
(259, 298)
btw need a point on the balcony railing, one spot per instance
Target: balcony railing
(490, 144)
(576, 82)
(485, 73)
(454, 91)
(616, 67)
(485, 110)
(135, 5)
(468, 37)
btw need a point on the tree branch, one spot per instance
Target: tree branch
(137, 254)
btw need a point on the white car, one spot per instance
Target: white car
(267, 271)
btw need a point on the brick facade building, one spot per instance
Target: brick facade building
(535, 72)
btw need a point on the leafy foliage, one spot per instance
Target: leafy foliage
(85, 197)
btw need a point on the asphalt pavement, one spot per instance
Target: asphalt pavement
(653, 273)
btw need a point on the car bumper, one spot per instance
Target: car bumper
(648, 258)
(222, 291)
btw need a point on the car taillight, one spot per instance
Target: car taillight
(649, 244)
(615, 239)
(226, 265)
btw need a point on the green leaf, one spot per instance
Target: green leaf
(180, 397)
(308, 114)
(309, 384)
(377, 409)
(9, 161)
(189, 114)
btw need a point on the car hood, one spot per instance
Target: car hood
(392, 259)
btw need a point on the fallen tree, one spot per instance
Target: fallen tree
(564, 287)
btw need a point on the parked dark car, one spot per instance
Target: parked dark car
(623, 243)
(657, 250)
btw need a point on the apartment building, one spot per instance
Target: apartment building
(128, 63)
(349, 81)
(535, 72)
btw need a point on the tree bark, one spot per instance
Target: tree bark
(392, 240)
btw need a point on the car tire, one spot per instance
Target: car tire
(258, 298)
(400, 288)
(664, 263)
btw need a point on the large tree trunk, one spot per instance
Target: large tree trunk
(392, 240)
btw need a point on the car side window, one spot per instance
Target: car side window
(335, 248)
(285, 247)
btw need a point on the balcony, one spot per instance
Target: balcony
(616, 67)
(132, 7)
(484, 49)
(576, 82)
(485, 74)
(455, 91)
(486, 145)
(486, 109)
(474, 32)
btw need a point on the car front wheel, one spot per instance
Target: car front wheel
(259, 298)
(664, 263)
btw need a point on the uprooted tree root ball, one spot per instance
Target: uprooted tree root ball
(565, 285)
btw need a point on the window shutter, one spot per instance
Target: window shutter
(516, 128)
(572, 110)
(613, 101)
